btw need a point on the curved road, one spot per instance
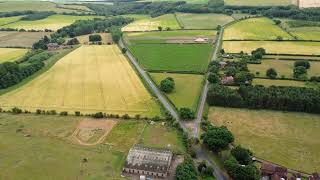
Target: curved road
(201, 154)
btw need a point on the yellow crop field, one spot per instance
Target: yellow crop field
(11, 54)
(90, 79)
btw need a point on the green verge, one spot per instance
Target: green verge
(49, 63)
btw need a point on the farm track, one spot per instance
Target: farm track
(201, 153)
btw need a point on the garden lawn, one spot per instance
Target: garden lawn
(49, 152)
(11, 54)
(286, 138)
(255, 29)
(161, 136)
(185, 94)
(53, 22)
(258, 2)
(202, 21)
(276, 82)
(151, 24)
(273, 47)
(283, 68)
(173, 57)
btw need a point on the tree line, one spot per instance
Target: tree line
(37, 16)
(298, 99)
(12, 73)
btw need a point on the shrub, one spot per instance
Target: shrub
(98, 115)
(271, 73)
(214, 78)
(77, 113)
(38, 111)
(242, 155)
(186, 170)
(186, 113)
(95, 38)
(124, 50)
(299, 72)
(16, 110)
(217, 138)
(63, 113)
(167, 85)
(73, 41)
(126, 116)
(303, 63)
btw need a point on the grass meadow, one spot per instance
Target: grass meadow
(286, 138)
(258, 2)
(185, 94)
(151, 24)
(173, 57)
(90, 79)
(50, 151)
(202, 21)
(273, 47)
(7, 20)
(255, 29)
(11, 54)
(283, 68)
(306, 33)
(8, 6)
(20, 39)
(277, 82)
(53, 22)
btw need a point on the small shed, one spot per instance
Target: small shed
(201, 40)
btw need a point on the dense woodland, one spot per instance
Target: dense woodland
(259, 97)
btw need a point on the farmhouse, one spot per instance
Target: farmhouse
(148, 161)
(273, 172)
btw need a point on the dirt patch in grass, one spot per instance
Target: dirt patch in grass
(92, 132)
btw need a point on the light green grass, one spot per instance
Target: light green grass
(161, 136)
(187, 1)
(275, 82)
(49, 152)
(7, 20)
(283, 68)
(53, 22)
(306, 33)
(255, 29)
(136, 16)
(151, 24)
(173, 57)
(286, 138)
(11, 54)
(202, 21)
(258, 2)
(274, 47)
(185, 94)
(9, 6)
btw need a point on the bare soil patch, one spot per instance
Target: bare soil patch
(92, 132)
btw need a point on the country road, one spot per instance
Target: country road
(203, 98)
(201, 154)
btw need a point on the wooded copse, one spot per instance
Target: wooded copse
(259, 97)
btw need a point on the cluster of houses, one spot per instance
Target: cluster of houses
(273, 172)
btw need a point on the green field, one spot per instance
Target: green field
(7, 20)
(169, 138)
(20, 39)
(306, 33)
(276, 82)
(283, 68)
(49, 151)
(258, 2)
(286, 138)
(255, 29)
(151, 24)
(202, 21)
(165, 36)
(274, 47)
(53, 22)
(11, 54)
(185, 94)
(187, 1)
(90, 79)
(79, 7)
(9, 6)
(173, 57)
(292, 57)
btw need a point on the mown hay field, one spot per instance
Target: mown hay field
(105, 38)
(11, 54)
(286, 138)
(90, 79)
(53, 22)
(273, 47)
(7, 20)
(9, 6)
(258, 2)
(59, 157)
(255, 29)
(151, 24)
(202, 21)
(283, 68)
(173, 57)
(20, 39)
(185, 94)
(277, 82)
